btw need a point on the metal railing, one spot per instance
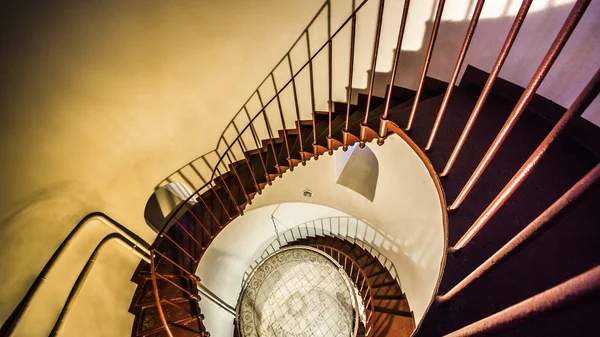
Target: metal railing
(347, 228)
(255, 132)
(119, 233)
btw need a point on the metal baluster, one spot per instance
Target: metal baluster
(454, 77)
(388, 96)
(581, 103)
(538, 77)
(312, 96)
(284, 128)
(330, 87)
(345, 132)
(363, 125)
(266, 119)
(258, 147)
(487, 88)
(434, 30)
(300, 139)
(565, 293)
(528, 233)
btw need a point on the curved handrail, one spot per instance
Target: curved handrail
(307, 63)
(231, 122)
(86, 271)
(11, 323)
(339, 230)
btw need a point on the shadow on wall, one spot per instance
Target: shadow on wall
(358, 170)
(163, 202)
(533, 41)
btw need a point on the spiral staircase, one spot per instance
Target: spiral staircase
(528, 175)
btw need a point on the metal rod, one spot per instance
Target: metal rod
(258, 148)
(165, 235)
(192, 296)
(210, 212)
(373, 66)
(157, 298)
(350, 73)
(388, 96)
(190, 275)
(312, 95)
(528, 232)
(283, 129)
(252, 174)
(14, 319)
(581, 103)
(300, 141)
(229, 192)
(436, 26)
(557, 45)
(216, 194)
(551, 299)
(247, 197)
(330, 81)
(188, 233)
(487, 88)
(455, 72)
(269, 131)
(78, 285)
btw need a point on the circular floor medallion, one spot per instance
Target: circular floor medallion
(297, 293)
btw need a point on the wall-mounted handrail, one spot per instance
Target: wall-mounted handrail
(124, 234)
(86, 271)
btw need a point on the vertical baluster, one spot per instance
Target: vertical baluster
(235, 172)
(487, 88)
(298, 126)
(268, 125)
(363, 125)
(312, 96)
(251, 170)
(581, 103)
(436, 26)
(215, 194)
(454, 77)
(244, 150)
(157, 298)
(345, 132)
(330, 80)
(576, 288)
(258, 146)
(388, 96)
(284, 131)
(534, 228)
(224, 183)
(560, 41)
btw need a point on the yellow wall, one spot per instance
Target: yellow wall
(98, 102)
